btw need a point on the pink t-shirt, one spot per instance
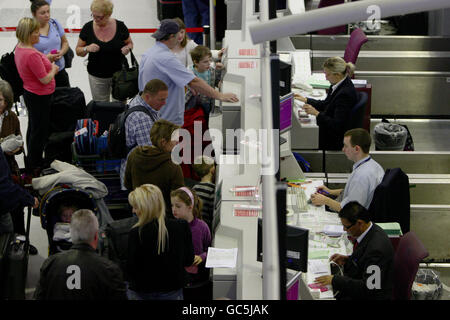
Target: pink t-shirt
(33, 65)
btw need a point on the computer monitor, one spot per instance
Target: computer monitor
(296, 247)
(285, 78)
(286, 104)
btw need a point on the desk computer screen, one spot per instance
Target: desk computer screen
(296, 247)
(286, 104)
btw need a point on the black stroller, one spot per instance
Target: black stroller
(49, 207)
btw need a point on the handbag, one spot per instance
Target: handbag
(68, 57)
(125, 81)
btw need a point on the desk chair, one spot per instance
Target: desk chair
(358, 111)
(391, 199)
(409, 254)
(357, 39)
(333, 30)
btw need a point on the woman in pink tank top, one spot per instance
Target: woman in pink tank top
(37, 74)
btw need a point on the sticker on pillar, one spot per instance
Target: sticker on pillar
(248, 52)
(247, 65)
(243, 210)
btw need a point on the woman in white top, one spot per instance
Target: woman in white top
(185, 45)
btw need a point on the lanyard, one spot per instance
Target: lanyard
(359, 165)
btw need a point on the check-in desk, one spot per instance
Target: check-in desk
(245, 281)
(305, 136)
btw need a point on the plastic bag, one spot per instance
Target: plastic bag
(427, 285)
(390, 136)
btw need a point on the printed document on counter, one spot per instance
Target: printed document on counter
(221, 258)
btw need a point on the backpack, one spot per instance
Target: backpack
(8, 72)
(115, 241)
(117, 134)
(85, 136)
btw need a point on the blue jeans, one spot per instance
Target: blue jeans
(196, 14)
(170, 295)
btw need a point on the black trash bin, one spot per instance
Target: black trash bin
(390, 136)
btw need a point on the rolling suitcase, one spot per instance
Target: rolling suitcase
(169, 9)
(85, 136)
(15, 263)
(58, 147)
(68, 106)
(104, 112)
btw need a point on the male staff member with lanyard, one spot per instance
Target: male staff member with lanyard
(365, 177)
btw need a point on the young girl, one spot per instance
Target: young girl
(158, 248)
(187, 206)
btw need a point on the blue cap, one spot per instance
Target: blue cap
(168, 26)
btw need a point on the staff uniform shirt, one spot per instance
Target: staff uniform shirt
(366, 176)
(160, 63)
(52, 41)
(334, 87)
(361, 237)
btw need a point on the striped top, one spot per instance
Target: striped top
(205, 192)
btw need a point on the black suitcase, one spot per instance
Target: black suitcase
(5, 243)
(68, 106)
(105, 112)
(58, 147)
(15, 264)
(169, 9)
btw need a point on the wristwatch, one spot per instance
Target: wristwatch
(85, 49)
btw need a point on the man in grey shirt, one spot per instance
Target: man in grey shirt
(365, 177)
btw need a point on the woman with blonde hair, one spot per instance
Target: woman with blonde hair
(38, 75)
(333, 113)
(107, 41)
(158, 248)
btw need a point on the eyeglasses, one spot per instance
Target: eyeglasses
(98, 17)
(348, 227)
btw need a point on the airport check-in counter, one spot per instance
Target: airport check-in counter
(234, 169)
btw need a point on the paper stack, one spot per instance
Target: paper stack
(333, 230)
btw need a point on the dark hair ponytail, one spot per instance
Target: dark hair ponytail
(36, 4)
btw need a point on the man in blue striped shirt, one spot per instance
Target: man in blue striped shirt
(138, 123)
(365, 177)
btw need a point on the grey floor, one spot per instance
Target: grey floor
(134, 13)
(142, 14)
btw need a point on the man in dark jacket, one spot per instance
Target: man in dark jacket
(367, 272)
(12, 196)
(80, 273)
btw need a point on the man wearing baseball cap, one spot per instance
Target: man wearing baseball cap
(158, 62)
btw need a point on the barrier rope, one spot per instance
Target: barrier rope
(131, 30)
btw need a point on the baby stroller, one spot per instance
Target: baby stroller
(49, 207)
(64, 183)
